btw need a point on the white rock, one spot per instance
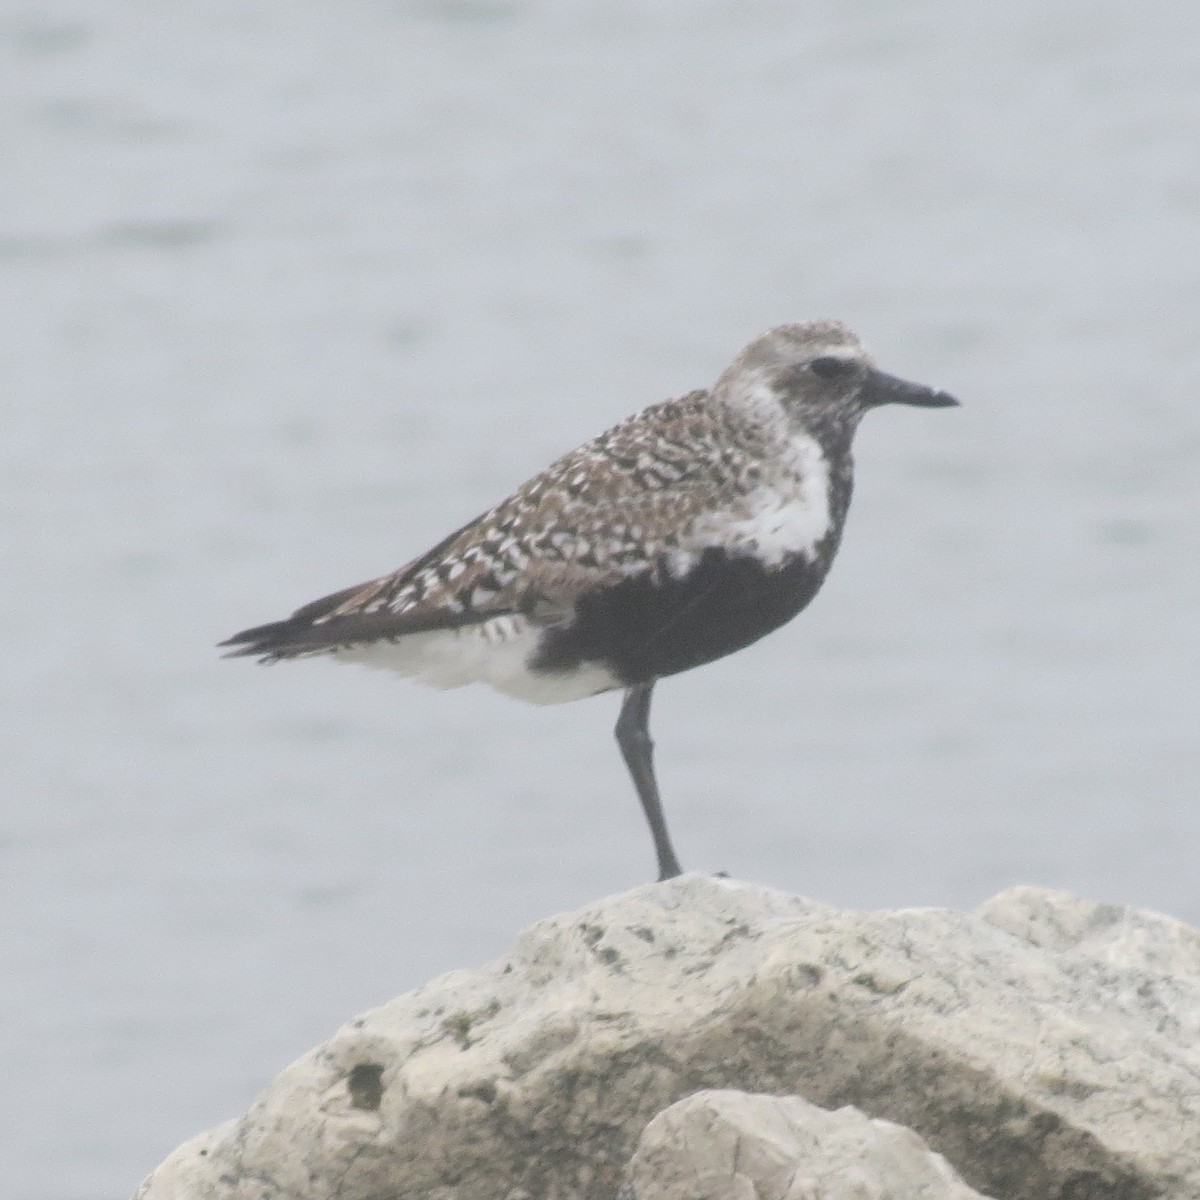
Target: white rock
(1046, 1047)
(723, 1145)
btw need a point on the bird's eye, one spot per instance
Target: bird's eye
(830, 367)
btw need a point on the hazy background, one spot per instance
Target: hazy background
(290, 289)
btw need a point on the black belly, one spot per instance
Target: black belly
(643, 629)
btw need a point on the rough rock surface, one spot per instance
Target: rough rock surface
(734, 1146)
(1047, 1046)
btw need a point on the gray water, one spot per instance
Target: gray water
(291, 289)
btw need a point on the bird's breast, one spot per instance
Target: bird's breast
(657, 624)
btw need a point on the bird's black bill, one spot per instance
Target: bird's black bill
(881, 388)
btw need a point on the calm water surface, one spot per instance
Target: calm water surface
(292, 289)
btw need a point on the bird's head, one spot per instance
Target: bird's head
(821, 375)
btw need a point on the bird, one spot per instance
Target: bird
(682, 534)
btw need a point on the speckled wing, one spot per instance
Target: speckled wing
(616, 507)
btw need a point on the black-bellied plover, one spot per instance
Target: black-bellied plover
(682, 534)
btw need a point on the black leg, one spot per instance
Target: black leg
(633, 736)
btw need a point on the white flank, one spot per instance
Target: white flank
(772, 523)
(495, 652)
